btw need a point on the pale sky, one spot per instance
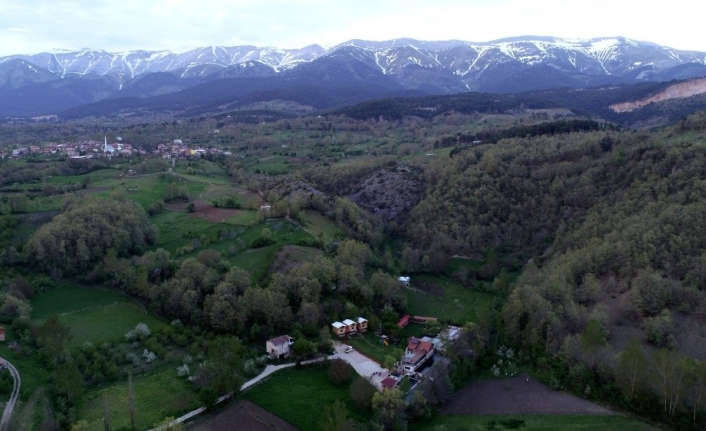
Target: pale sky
(32, 26)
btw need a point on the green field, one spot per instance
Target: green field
(149, 189)
(536, 423)
(177, 229)
(319, 224)
(370, 346)
(69, 298)
(158, 394)
(94, 315)
(299, 395)
(271, 165)
(458, 304)
(95, 176)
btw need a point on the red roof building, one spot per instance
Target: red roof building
(404, 321)
(388, 383)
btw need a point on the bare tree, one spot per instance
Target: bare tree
(671, 370)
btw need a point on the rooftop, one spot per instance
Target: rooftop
(282, 339)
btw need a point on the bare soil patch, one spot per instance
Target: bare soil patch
(517, 395)
(244, 415)
(216, 215)
(207, 212)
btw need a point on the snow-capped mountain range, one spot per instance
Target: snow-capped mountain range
(505, 65)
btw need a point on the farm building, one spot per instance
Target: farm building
(404, 321)
(279, 347)
(404, 281)
(2, 333)
(339, 328)
(362, 324)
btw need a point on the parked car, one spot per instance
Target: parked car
(348, 349)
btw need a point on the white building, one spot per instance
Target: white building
(279, 347)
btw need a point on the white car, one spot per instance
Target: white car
(348, 349)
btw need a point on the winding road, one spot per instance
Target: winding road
(10, 406)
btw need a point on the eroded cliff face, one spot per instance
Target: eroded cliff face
(676, 91)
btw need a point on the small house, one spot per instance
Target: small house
(351, 326)
(362, 324)
(279, 347)
(339, 328)
(2, 333)
(404, 281)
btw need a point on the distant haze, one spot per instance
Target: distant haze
(124, 25)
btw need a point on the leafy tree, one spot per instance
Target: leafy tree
(631, 369)
(362, 392)
(389, 408)
(696, 382)
(68, 381)
(593, 340)
(335, 417)
(53, 337)
(224, 363)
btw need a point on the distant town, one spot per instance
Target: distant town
(92, 149)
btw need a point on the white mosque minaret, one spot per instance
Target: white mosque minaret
(108, 149)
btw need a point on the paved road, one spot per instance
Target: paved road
(10, 406)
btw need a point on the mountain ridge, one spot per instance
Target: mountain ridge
(509, 65)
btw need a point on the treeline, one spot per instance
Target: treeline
(432, 106)
(547, 128)
(11, 173)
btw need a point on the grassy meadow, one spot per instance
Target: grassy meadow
(299, 395)
(158, 394)
(94, 315)
(457, 304)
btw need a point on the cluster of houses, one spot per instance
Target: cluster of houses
(178, 149)
(91, 149)
(349, 326)
(76, 150)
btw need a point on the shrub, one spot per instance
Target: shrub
(339, 372)
(660, 330)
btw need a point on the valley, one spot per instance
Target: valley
(140, 285)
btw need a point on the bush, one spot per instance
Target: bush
(660, 330)
(339, 372)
